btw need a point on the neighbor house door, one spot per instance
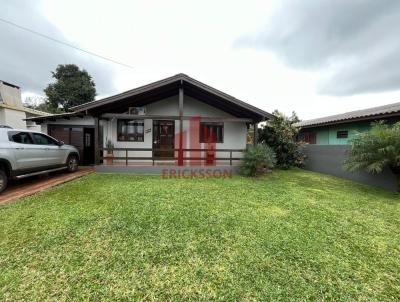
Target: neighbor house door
(163, 138)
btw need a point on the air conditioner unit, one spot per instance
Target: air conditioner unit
(137, 110)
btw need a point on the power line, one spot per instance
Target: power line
(63, 43)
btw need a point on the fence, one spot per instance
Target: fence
(329, 159)
(207, 156)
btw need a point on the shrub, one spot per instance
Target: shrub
(376, 149)
(280, 134)
(257, 160)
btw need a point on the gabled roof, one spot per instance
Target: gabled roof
(168, 87)
(358, 115)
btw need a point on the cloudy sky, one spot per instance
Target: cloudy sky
(315, 57)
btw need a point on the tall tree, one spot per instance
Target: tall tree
(72, 87)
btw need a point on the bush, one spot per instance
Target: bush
(376, 149)
(280, 134)
(257, 160)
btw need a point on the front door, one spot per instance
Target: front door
(88, 146)
(163, 138)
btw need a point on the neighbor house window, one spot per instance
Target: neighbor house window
(342, 134)
(130, 130)
(211, 132)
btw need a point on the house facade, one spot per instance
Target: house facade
(339, 129)
(177, 120)
(12, 112)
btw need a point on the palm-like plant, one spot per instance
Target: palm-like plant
(376, 149)
(257, 160)
(109, 146)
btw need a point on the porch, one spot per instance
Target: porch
(185, 163)
(180, 157)
(174, 122)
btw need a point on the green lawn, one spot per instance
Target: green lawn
(289, 236)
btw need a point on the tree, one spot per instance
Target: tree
(41, 104)
(33, 102)
(280, 134)
(72, 87)
(375, 150)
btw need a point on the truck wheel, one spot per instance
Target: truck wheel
(72, 163)
(3, 180)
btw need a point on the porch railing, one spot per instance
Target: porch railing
(212, 155)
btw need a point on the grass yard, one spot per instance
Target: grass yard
(290, 236)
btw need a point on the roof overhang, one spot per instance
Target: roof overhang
(369, 114)
(54, 117)
(349, 120)
(24, 109)
(168, 87)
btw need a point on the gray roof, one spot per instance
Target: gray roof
(364, 114)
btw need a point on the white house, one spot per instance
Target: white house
(12, 112)
(177, 119)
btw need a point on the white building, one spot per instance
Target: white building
(12, 112)
(175, 119)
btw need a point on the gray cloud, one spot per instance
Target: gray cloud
(356, 42)
(27, 60)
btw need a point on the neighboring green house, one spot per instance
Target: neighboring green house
(338, 129)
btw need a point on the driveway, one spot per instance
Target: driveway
(32, 185)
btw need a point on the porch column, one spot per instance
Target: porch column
(180, 153)
(255, 138)
(96, 141)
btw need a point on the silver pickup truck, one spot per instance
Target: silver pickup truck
(25, 153)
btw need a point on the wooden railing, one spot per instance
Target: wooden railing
(153, 158)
